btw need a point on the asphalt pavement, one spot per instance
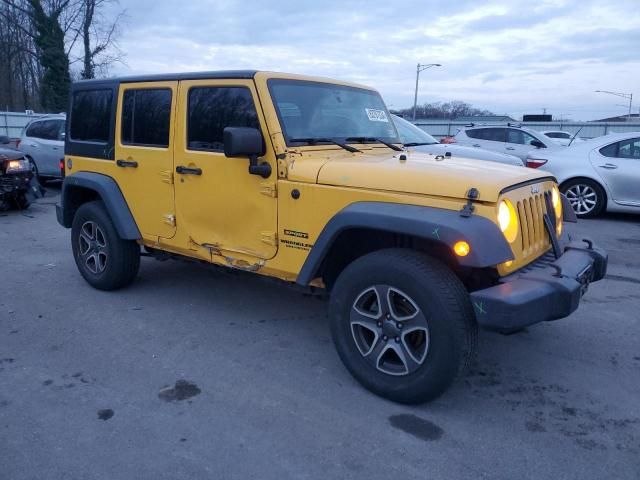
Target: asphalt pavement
(195, 373)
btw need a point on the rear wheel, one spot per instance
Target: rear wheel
(585, 196)
(106, 261)
(403, 324)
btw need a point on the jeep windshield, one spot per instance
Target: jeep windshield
(313, 113)
(411, 135)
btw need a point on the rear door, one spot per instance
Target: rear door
(43, 144)
(491, 138)
(619, 166)
(144, 154)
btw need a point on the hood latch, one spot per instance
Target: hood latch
(467, 210)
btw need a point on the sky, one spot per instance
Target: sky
(513, 57)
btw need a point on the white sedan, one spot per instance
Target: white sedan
(417, 139)
(561, 137)
(596, 175)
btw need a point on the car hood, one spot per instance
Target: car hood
(424, 174)
(10, 154)
(468, 152)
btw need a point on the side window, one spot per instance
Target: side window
(211, 109)
(146, 115)
(515, 136)
(91, 115)
(34, 130)
(62, 126)
(495, 134)
(49, 129)
(629, 148)
(610, 150)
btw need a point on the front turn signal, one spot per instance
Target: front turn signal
(462, 248)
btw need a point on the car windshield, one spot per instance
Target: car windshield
(410, 134)
(313, 110)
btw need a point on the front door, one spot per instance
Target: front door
(619, 166)
(219, 205)
(519, 143)
(144, 154)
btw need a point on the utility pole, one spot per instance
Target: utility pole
(623, 95)
(418, 70)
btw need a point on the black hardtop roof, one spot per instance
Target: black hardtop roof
(167, 77)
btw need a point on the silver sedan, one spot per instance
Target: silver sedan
(596, 175)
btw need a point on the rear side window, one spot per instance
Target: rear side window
(146, 116)
(91, 115)
(491, 134)
(609, 150)
(211, 109)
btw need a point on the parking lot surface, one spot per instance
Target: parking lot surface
(194, 372)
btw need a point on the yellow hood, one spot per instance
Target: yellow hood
(423, 174)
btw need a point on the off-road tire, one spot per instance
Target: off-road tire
(593, 188)
(444, 303)
(121, 257)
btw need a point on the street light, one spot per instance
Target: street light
(418, 70)
(623, 95)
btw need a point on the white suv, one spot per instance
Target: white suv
(42, 142)
(510, 139)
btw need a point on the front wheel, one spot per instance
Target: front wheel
(403, 324)
(106, 261)
(21, 202)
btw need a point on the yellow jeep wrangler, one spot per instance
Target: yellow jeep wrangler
(304, 179)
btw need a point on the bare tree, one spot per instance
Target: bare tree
(99, 36)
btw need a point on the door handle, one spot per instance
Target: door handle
(476, 144)
(127, 163)
(32, 145)
(609, 166)
(188, 171)
(510, 148)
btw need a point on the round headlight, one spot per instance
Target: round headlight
(503, 216)
(557, 206)
(555, 197)
(508, 220)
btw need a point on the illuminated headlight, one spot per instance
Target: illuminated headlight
(15, 166)
(557, 206)
(508, 220)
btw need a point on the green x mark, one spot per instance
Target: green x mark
(480, 307)
(435, 233)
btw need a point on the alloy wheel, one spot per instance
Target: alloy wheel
(583, 198)
(92, 245)
(390, 330)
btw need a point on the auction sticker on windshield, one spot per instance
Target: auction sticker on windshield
(376, 115)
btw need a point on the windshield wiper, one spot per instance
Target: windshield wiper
(315, 141)
(417, 144)
(374, 139)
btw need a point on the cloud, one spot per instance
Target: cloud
(507, 57)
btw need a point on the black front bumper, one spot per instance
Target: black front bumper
(547, 289)
(14, 183)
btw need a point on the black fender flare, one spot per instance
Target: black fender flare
(488, 245)
(110, 194)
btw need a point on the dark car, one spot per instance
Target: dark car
(15, 177)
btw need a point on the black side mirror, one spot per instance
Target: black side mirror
(538, 144)
(246, 142)
(4, 140)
